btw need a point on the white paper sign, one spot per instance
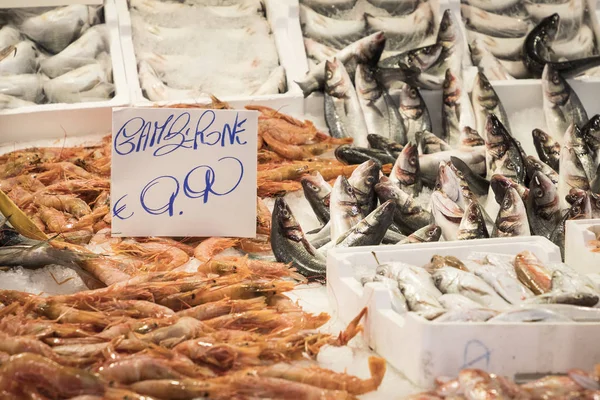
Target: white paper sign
(183, 172)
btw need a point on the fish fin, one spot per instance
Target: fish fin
(306, 87)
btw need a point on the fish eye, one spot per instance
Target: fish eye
(285, 213)
(510, 165)
(430, 233)
(576, 210)
(444, 26)
(329, 74)
(370, 180)
(459, 174)
(506, 204)
(446, 83)
(313, 187)
(427, 50)
(413, 160)
(555, 79)
(538, 192)
(413, 93)
(349, 190)
(472, 218)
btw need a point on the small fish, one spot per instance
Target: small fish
(543, 206)
(56, 29)
(289, 244)
(357, 155)
(396, 7)
(571, 12)
(318, 51)
(493, 24)
(591, 134)
(420, 292)
(27, 87)
(529, 315)
(472, 225)
(533, 165)
(453, 280)
(447, 215)
(364, 51)
(276, 83)
(567, 279)
(329, 7)
(419, 59)
(413, 112)
(19, 59)
(512, 217)
(470, 138)
(428, 143)
(503, 155)
(317, 192)
(453, 185)
(370, 230)
(405, 32)
(37, 256)
(343, 112)
(408, 215)
(336, 33)
(505, 48)
(547, 148)
(457, 111)
(494, 6)
(467, 315)
(504, 281)
(572, 174)
(379, 142)
(79, 53)
(87, 83)
(363, 181)
(344, 210)
(456, 301)
(478, 185)
(485, 102)
(487, 62)
(474, 157)
(155, 89)
(500, 185)
(429, 233)
(580, 46)
(405, 172)
(572, 298)
(398, 300)
(380, 112)
(574, 138)
(532, 273)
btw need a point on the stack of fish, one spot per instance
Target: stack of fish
(183, 49)
(329, 26)
(503, 36)
(54, 55)
(488, 287)
(478, 384)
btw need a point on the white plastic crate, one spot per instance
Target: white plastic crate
(578, 252)
(46, 121)
(423, 350)
(288, 40)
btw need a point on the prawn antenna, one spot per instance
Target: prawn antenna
(375, 257)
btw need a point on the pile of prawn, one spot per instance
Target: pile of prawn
(170, 335)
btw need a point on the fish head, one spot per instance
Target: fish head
(387, 190)
(550, 26)
(343, 190)
(541, 137)
(470, 137)
(448, 28)
(423, 57)
(478, 50)
(572, 169)
(484, 92)
(532, 164)
(512, 204)
(451, 84)
(373, 47)
(366, 84)
(443, 205)
(378, 141)
(573, 137)
(500, 185)
(581, 208)
(316, 185)
(410, 98)
(594, 202)
(384, 214)
(542, 190)
(495, 132)
(473, 218)
(448, 182)
(365, 176)
(592, 127)
(555, 87)
(283, 216)
(408, 160)
(337, 81)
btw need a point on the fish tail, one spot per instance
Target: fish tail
(306, 86)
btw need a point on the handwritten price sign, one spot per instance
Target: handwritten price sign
(183, 172)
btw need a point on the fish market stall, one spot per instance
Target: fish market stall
(60, 65)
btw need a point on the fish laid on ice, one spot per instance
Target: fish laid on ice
(456, 301)
(371, 230)
(405, 172)
(408, 215)
(547, 148)
(363, 181)
(467, 315)
(343, 112)
(485, 102)
(428, 143)
(493, 24)
(543, 206)
(506, 48)
(505, 283)
(472, 225)
(591, 135)
(503, 153)
(396, 7)
(477, 184)
(574, 139)
(318, 51)
(420, 292)
(537, 314)
(156, 90)
(344, 210)
(474, 157)
(382, 143)
(581, 46)
(457, 111)
(447, 215)
(414, 112)
(533, 165)
(9, 102)
(336, 33)
(275, 83)
(512, 217)
(317, 192)
(571, 175)
(328, 7)
(469, 137)
(9, 35)
(532, 273)
(487, 62)
(87, 83)
(429, 233)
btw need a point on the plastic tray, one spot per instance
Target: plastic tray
(578, 252)
(423, 350)
(47, 121)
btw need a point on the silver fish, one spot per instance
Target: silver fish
(503, 153)
(156, 90)
(571, 175)
(405, 172)
(470, 137)
(486, 102)
(413, 111)
(381, 113)
(428, 143)
(429, 233)
(396, 7)
(364, 51)
(398, 300)
(474, 157)
(506, 48)
(575, 313)
(79, 53)
(454, 280)
(27, 87)
(420, 292)
(493, 6)
(318, 51)
(515, 68)
(276, 83)
(447, 215)
(453, 185)
(543, 205)
(336, 33)
(370, 230)
(561, 104)
(409, 215)
(9, 36)
(344, 210)
(457, 111)
(467, 315)
(574, 139)
(580, 46)
(472, 225)
(571, 14)
(88, 82)
(19, 59)
(567, 279)
(328, 7)
(56, 29)
(487, 62)
(505, 284)
(9, 102)
(343, 112)
(533, 165)
(591, 134)
(547, 148)
(493, 24)
(529, 315)
(456, 301)
(512, 217)
(317, 192)
(363, 181)
(405, 32)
